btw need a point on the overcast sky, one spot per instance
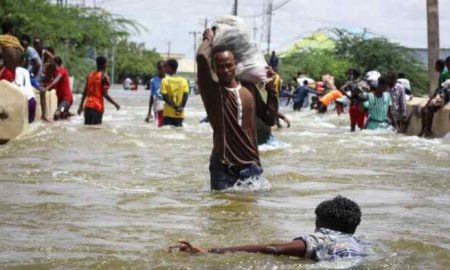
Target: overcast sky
(403, 21)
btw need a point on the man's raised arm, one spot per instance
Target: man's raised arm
(204, 71)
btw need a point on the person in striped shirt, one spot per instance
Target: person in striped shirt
(379, 107)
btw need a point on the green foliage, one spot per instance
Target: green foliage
(378, 53)
(316, 63)
(133, 60)
(71, 31)
(357, 51)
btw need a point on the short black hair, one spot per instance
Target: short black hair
(38, 40)
(383, 81)
(26, 38)
(355, 73)
(440, 65)
(160, 63)
(339, 214)
(391, 77)
(101, 61)
(57, 60)
(219, 49)
(447, 60)
(173, 64)
(305, 82)
(7, 27)
(401, 75)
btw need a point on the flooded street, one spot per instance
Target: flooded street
(116, 196)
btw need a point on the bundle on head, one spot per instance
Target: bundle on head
(231, 33)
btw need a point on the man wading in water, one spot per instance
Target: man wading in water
(232, 109)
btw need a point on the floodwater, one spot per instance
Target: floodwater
(116, 196)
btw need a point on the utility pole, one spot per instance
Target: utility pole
(168, 49)
(254, 29)
(194, 33)
(269, 25)
(235, 8)
(113, 60)
(433, 42)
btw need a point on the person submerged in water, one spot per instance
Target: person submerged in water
(232, 109)
(336, 223)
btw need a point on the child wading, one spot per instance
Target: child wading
(336, 222)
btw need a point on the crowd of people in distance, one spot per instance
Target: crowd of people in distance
(373, 101)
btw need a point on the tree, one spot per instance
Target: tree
(73, 32)
(361, 51)
(316, 63)
(378, 53)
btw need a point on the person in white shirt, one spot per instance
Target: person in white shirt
(127, 83)
(23, 81)
(406, 84)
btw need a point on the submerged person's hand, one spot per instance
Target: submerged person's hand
(186, 246)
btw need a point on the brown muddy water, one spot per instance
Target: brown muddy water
(115, 197)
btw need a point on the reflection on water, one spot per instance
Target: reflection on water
(116, 196)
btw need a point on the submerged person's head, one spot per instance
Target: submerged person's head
(224, 64)
(339, 214)
(8, 27)
(25, 40)
(161, 68)
(101, 63)
(171, 66)
(57, 61)
(383, 84)
(353, 74)
(391, 78)
(37, 44)
(439, 66)
(447, 62)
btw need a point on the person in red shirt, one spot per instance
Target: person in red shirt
(97, 86)
(61, 84)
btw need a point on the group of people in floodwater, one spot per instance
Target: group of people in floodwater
(31, 66)
(233, 110)
(374, 101)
